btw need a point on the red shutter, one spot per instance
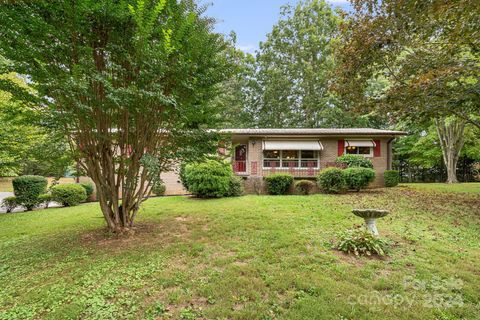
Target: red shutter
(376, 150)
(341, 147)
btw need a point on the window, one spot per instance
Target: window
(309, 159)
(271, 158)
(290, 158)
(365, 151)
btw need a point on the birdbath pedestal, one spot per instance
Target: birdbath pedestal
(370, 215)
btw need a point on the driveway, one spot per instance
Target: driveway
(3, 195)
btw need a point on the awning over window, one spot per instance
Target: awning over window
(359, 143)
(292, 145)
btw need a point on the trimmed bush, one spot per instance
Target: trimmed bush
(305, 187)
(391, 177)
(89, 188)
(235, 187)
(352, 160)
(45, 199)
(27, 189)
(279, 183)
(209, 179)
(362, 242)
(332, 180)
(9, 203)
(358, 178)
(159, 189)
(69, 194)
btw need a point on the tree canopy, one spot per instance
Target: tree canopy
(426, 57)
(288, 82)
(28, 145)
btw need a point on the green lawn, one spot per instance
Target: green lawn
(252, 257)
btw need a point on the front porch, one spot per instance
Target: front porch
(307, 170)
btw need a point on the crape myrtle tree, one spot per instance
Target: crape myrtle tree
(425, 55)
(128, 81)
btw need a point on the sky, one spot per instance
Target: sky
(252, 19)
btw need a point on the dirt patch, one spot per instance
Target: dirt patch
(144, 233)
(357, 261)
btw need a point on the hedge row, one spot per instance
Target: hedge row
(330, 180)
(31, 192)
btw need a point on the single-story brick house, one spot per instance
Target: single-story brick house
(300, 152)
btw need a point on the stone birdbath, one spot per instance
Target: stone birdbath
(370, 215)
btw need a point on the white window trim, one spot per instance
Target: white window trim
(299, 161)
(370, 155)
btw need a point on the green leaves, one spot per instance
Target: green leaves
(362, 242)
(121, 79)
(415, 47)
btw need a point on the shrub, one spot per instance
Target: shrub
(235, 187)
(304, 186)
(88, 186)
(28, 188)
(45, 199)
(69, 194)
(279, 183)
(9, 203)
(352, 160)
(332, 180)
(159, 188)
(362, 242)
(209, 179)
(358, 178)
(391, 177)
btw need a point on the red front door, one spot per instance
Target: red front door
(240, 164)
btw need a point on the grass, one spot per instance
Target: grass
(252, 257)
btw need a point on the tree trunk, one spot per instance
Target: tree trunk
(450, 133)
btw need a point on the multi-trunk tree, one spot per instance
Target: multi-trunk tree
(426, 53)
(127, 81)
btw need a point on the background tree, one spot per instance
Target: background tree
(293, 67)
(287, 83)
(28, 145)
(419, 156)
(129, 82)
(428, 55)
(238, 96)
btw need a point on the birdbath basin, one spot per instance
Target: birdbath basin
(370, 215)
